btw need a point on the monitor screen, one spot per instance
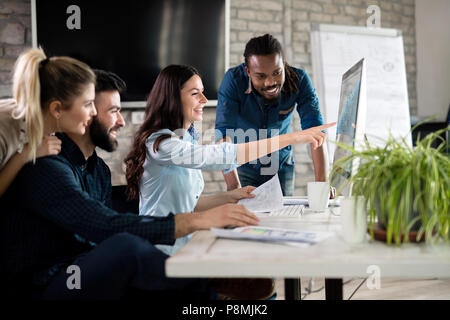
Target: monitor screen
(351, 117)
(136, 39)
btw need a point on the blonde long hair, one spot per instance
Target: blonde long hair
(37, 81)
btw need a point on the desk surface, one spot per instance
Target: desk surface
(207, 256)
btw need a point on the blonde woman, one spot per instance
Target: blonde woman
(49, 95)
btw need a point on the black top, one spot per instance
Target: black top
(59, 208)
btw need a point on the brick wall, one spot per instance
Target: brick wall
(288, 20)
(15, 35)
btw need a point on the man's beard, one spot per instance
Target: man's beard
(100, 136)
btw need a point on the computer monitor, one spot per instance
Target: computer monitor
(351, 120)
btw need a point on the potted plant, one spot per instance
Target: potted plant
(403, 188)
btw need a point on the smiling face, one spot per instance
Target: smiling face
(75, 119)
(267, 74)
(104, 127)
(193, 101)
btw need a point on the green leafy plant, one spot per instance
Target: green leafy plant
(402, 187)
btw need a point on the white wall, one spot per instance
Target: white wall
(433, 57)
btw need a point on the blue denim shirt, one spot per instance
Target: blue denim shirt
(173, 180)
(240, 107)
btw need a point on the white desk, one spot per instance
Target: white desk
(206, 256)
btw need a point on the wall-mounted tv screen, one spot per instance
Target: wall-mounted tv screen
(136, 38)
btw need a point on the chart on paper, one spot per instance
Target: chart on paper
(272, 234)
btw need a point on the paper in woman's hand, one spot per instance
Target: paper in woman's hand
(268, 197)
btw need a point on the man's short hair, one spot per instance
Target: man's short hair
(266, 45)
(108, 81)
(262, 46)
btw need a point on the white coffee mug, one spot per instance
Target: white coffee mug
(318, 195)
(353, 219)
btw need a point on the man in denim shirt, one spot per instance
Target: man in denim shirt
(256, 101)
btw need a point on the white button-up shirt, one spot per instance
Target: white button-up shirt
(172, 179)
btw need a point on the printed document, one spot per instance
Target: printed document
(272, 234)
(292, 201)
(268, 197)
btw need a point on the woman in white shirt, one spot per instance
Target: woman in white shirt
(49, 95)
(165, 163)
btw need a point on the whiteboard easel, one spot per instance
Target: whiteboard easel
(337, 48)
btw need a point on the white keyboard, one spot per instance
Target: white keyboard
(288, 211)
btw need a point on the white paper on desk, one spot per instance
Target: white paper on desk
(272, 234)
(303, 201)
(295, 201)
(268, 197)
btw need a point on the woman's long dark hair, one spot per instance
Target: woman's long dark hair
(163, 111)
